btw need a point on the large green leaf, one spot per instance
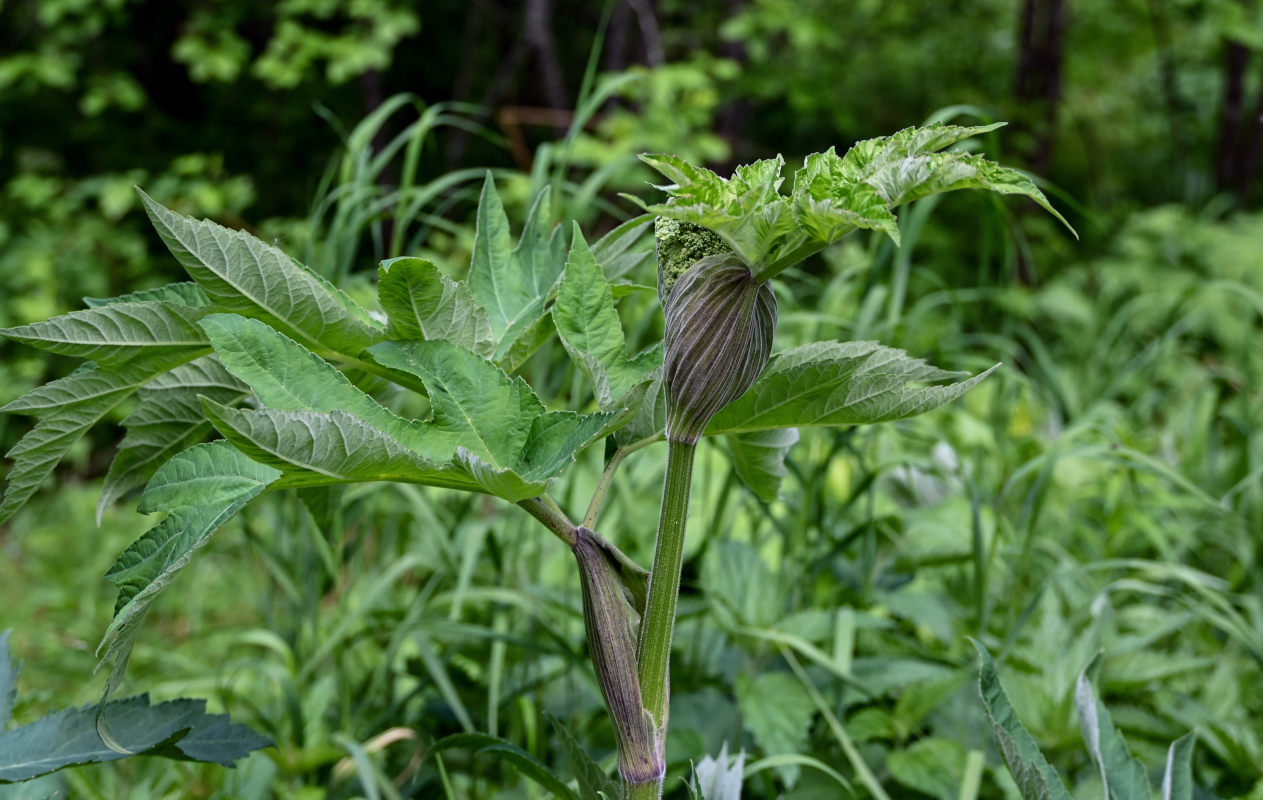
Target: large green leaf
(239, 273)
(839, 383)
(65, 409)
(185, 293)
(287, 376)
(117, 333)
(513, 283)
(423, 303)
(621, 251)
(179, 729)
(777, 709)
(168, 418)
(316, 448)
(200, 489)
(590, 329)
(1035, 779)
(1123, 777)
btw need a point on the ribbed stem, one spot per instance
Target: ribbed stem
(653, 653)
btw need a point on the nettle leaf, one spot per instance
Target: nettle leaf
(116, 333)
(513, 283)
(168, 418)
(758, 458)
(839, 383)
(423, 303)
(591, 331)
(777, 710)
(594, 784)
(179, 729)
(200, 489)
(185, 293)
(287, 376)
(66, 408)
(1035, 779)
(242, 274)
(326, 448)
(1123, 777)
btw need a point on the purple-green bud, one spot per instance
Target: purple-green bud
(608, 619)
(720, 321)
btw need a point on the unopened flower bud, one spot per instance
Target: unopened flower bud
(720, 321)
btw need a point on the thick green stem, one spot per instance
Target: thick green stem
(654, 651)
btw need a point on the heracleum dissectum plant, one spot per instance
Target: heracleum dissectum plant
(270, 356)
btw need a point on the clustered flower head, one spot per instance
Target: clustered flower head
(680, 246)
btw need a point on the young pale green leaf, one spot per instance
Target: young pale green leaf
(1035, 779)
(1123, 777)
(839, 383)
(475, 403)
(179, 729)
(201, 489)
(168, 418)
(239, 273)
(777, 710)
(287, 376)
(513, 284)
(316, 448)
(1177, 777)
(66, 408)
(117, 333)
(594, 784)
(590, 329)
(186, 293)
(423, 303)
(758, 458)
(522, 761)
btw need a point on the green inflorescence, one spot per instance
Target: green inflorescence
(680, 246)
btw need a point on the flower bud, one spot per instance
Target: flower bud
(609, 622)
(720, 321)
(680, 246)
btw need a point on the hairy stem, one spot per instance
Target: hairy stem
(654, 650)
(554, 519)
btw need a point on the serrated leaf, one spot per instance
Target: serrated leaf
(321, 448)
(168, 418)
(932, 766)
(555, 437)
(621, 251)
(185, 293)
(503, 482)
(116, 334)
(777, 710)
(475, 403)
(1177, 777)
(423, 303)
(176, 729)
(512, 284)
(591, 331)
(201, 489)
(1122, 776)
(839, 383)
(524, 762)
(66, 408)
(242, 274)
(758, 458)
(738, 580)
(287, 376)
(1035, 779)
(591, 778)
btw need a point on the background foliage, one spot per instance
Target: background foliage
(1102, 492)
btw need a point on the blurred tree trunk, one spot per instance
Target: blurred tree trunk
(1240, 131)
(1037, 85)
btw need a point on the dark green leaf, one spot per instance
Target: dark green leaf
(524, 762)
(758, 458)
(593, 782)
(777, 709)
